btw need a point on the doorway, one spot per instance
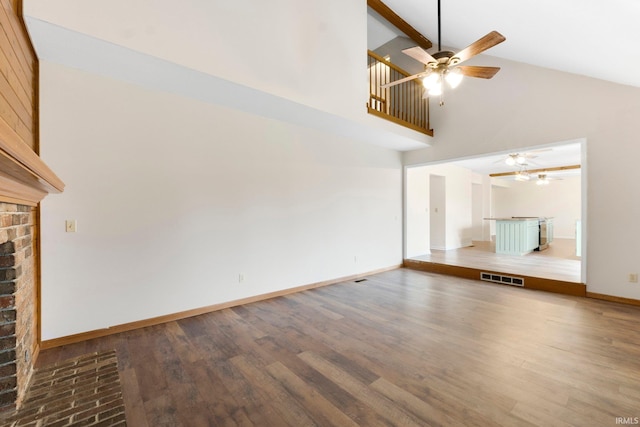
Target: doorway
(481, 194)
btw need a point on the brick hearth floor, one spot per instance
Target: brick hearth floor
(82, 391)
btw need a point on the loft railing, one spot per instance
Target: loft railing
(403, 103)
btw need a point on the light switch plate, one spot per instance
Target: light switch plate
(71, 226)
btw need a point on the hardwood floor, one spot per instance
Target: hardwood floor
(403, 348)
(558, 262)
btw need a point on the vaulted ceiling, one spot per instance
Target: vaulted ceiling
(588, 37)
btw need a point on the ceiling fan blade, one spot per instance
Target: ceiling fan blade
(479, 46)
(476, 71)
(421, 55)
(406, 79)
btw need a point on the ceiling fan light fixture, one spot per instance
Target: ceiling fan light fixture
(436, 90)
(522, 176)
(453, 78)
(431, 80)
(516, 159)
(542, 179)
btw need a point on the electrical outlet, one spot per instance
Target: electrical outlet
(633, 277)
(71, 226)
(240, 278)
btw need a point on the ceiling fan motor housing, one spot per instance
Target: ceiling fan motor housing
(442, 57)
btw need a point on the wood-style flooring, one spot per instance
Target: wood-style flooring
(558, 262)
(403, 348)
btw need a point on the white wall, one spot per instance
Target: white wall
(417, 212)
(175, 198)
(487, 208)
(526, 106)
(560, 200)
(283, 47)
(477, 212)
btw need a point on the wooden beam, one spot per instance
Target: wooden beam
(554, 169)
(399, 23)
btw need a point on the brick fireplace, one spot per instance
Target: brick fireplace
(18, 328)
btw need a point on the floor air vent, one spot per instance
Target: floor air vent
(499, 278)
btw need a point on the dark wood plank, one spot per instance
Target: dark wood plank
(318, 406)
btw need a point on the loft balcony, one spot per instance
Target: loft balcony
(404, 103)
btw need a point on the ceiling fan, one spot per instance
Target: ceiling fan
(522, 174)
(544, 178)
(445, 65)
(517, 159)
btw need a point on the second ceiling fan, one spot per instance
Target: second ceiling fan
(444, 65)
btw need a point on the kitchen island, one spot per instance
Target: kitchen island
(517, 235)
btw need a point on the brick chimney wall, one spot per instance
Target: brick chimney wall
(18, 329)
